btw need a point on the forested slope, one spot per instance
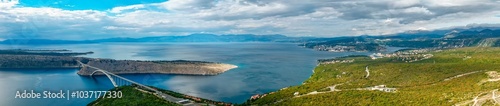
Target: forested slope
(450, 77)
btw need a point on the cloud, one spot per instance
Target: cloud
(457, 3)
(294, 18)
(187, 5)
(123, 8)
(28, 22)
(405, 3)
(4, 4)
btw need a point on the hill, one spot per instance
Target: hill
(455, 38)
(131, 97)
(463, 76)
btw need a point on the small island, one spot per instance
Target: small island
(62, 52)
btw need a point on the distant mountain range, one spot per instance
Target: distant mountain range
(450, 38)
(445, 38)
(188, 38)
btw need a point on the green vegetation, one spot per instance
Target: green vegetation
(345, 58)
(434, 43)
(450, 77)
(345, 44)
(193, 98)
(39, 61)
(132, 97)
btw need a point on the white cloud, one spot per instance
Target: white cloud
(233, 10)
(453, 3)
(29, 22)
(418, 10)
(8, 3)
(123, 8)
(294, 18)
(325, 12)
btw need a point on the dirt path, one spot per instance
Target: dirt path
(481, 99)
(460, 75)
(332, 89)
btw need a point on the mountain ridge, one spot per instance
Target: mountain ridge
(188, 38)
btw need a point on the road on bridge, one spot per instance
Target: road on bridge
(167, 97)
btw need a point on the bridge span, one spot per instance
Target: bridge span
(124, 81)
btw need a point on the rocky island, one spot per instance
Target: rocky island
(160, 67)
(114, 66)
(62, 52)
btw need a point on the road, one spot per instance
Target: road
(367, 72)
(156, 92)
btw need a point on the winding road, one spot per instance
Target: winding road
(367, 72)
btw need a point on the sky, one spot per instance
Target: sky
(95, 19)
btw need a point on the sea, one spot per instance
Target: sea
(262, 68)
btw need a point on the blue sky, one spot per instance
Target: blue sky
(84, 4)
(94, 19)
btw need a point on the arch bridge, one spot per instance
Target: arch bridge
(120, 81)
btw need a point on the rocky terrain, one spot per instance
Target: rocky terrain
(162, 67)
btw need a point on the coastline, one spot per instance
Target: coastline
(181, 67)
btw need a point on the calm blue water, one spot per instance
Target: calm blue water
(263, 67)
